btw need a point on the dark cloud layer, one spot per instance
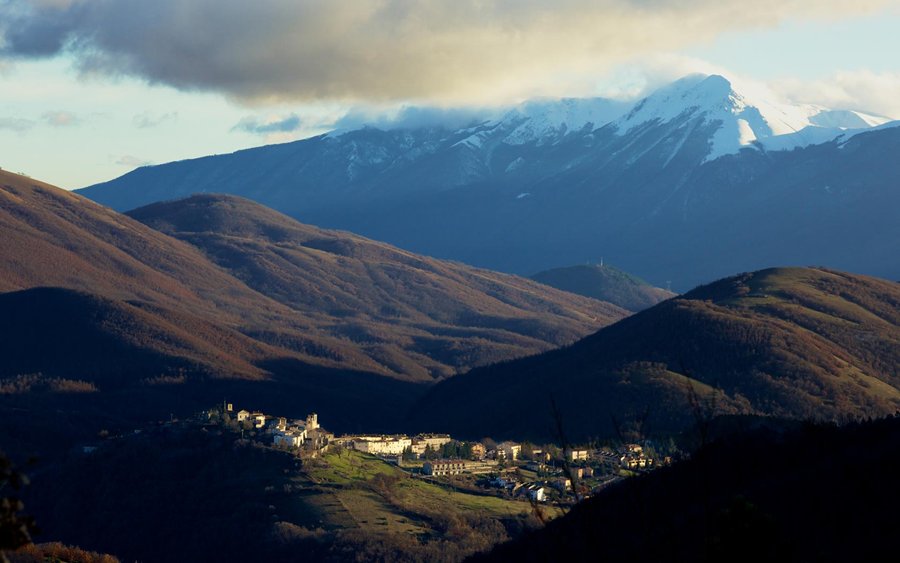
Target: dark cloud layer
(373, 50)
(17, 124)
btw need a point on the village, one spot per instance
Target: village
(543, 474)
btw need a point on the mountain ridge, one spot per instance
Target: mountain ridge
(318, 272)
(645, 198)
(789, 342)
(605, 283)
(54, 238)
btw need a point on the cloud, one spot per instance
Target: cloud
(874, 92)
(16, 124)
(60, 118)
(130, 161)
(147, 119)
(287, 124)
(443, 51)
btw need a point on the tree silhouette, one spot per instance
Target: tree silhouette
(15, 528)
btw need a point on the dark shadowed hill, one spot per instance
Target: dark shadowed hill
(793, 342)
(819, 493)
(292, 291)
(605, 283)
(111, 344)
(415, 315)
(54, 238)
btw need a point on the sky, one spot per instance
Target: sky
(91, 89)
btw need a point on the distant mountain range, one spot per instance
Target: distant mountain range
(605, 283)
(800, 343)
(699, 180)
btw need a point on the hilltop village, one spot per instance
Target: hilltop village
(540, 474)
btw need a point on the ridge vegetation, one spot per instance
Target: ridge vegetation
(805, 343)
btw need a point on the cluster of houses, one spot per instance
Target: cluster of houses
(394, 445)
(536, 492)
(634, 458)
(288, 433)
(503, 461)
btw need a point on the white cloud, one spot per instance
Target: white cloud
(149, 119)
(863, 90)
(130, 161)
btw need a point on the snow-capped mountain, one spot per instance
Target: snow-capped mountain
(744, 120)
(672, 187)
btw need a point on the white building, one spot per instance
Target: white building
(385, 445)
(456, 466)
(536, 493)
(577, 455)
(424, 441)
(243, 415)
(292, 438)
(259, 420)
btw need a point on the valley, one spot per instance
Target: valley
(448, 281)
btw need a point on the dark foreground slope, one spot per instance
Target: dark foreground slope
(792, 342)
(181, 492)
(415, 315)
(821, 493)
(605, 283)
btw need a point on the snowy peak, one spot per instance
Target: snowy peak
(544, 121)
(694, 94)
(745, 118)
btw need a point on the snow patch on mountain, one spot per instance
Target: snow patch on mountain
(543, 120)
(847, 119)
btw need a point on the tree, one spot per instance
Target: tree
(527, 450)
(15, 528)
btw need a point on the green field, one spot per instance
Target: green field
(266, 504)
(349, 487)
